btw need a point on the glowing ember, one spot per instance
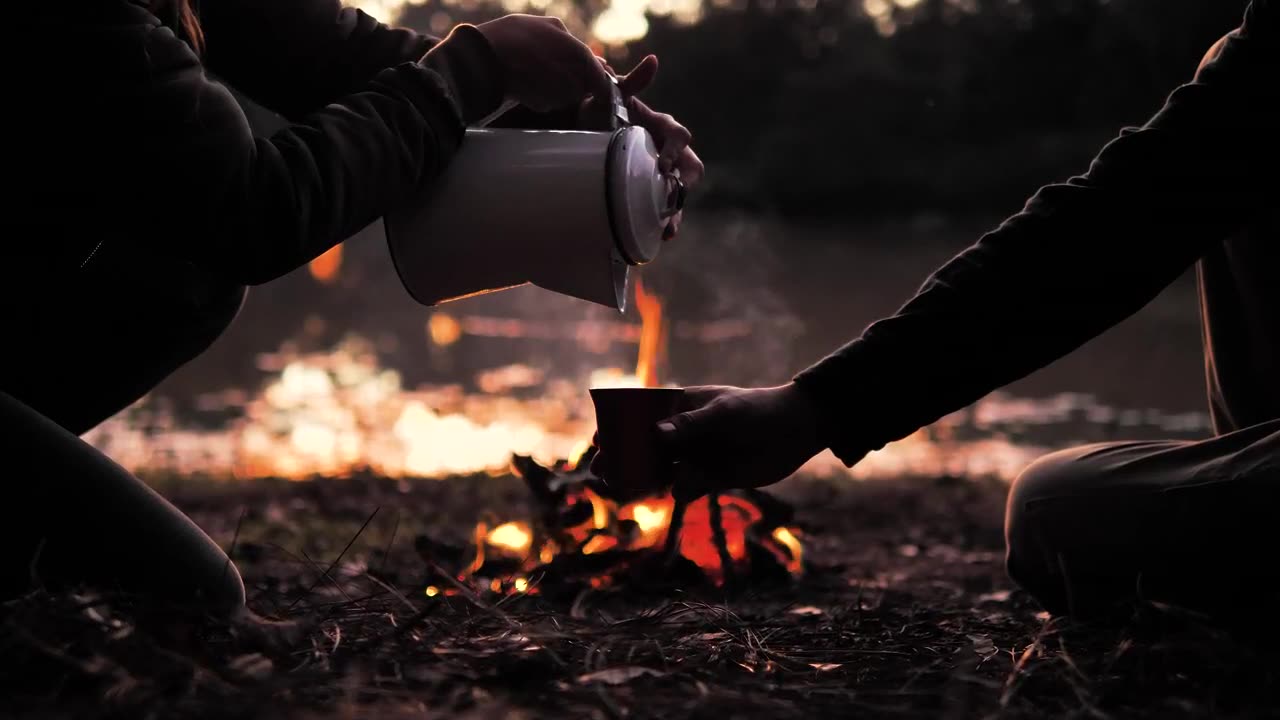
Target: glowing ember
(513, 536)
(650, 517)
(599, 543)
(789, 540)
(710, 537)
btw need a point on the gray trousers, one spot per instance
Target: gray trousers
(1188, 523)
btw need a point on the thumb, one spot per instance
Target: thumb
(679, 434)
(640, 77)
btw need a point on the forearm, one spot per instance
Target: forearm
(1019, 299)
(262, 207)
(295, 56)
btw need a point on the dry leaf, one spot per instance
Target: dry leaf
(823, 667)
(618, 675)
(719, 635)
(806, 610)
(252, 666)
(983, 646)
(998, 596)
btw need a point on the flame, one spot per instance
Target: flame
(513, 536)
(651, 518)
(579, 450)
(788, 540)
(599, 543)
(599, 510)
(652, 331)
(480, 533)
(325, 268)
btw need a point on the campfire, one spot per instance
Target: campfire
(579, 535)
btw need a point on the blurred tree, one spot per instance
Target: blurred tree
(871, 107)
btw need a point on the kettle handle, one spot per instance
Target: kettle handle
(676, 192)
(506, 107)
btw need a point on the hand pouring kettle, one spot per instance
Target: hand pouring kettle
(570, 211)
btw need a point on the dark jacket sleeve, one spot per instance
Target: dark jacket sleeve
(258, 207)
(295, 56)
(1080, 257)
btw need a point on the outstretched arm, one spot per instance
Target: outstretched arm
(1079, 258)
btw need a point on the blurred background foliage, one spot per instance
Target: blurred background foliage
(865, 108)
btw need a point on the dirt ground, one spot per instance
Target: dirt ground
(903, 611)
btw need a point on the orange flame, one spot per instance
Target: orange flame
(652, 332)
(325, 268)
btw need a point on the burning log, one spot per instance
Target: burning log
(579, 536)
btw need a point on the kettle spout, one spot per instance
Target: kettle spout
(603, 282)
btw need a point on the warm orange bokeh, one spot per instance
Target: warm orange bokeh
(325, 268)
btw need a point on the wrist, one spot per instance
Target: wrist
(804, 415)
(471, 69)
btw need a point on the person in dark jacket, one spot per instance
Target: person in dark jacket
(143, 206)
(1091, 528)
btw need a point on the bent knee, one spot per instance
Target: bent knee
(1048, 476)
(228, 597)
(1058, 474)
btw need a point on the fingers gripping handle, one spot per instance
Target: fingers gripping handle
(676, 192)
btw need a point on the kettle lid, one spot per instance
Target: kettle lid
(641, 197)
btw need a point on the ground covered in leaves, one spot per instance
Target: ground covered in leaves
(904, 611)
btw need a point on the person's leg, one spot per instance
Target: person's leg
(71, 516)
(81, 363)
(1187, 523)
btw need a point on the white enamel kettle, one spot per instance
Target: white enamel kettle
(570, 211)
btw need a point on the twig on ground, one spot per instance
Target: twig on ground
(716, 517)
(336, 560)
